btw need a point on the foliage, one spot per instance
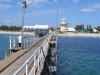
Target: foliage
(79, 27)
(89, 29)
(10, 28)
(98, 28)
(60, 32)
(52, 29)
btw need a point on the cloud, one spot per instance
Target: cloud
(3, 6)
(8, 21)
(92, 8)
(87, 10)
(48, 11)
(5, 0)
(96, 6)
(38, 3)
(43, 12)
(75, 1)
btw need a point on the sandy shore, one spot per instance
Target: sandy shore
(67, 34)
(12, 32)
(81, 34)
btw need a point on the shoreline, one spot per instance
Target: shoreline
(65, 34)
(81, 34)
(15, 32)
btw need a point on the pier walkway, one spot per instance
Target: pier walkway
(29, 61)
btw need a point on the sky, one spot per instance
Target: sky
(45, 12)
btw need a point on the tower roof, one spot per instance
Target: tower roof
(63, 22)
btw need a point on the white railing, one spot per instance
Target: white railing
(36, 60)
(27, 41)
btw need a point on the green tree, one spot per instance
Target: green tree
(11, 28)
(79, 27)
(98, 28)
(52, 29)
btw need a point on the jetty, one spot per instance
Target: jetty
(39, 58)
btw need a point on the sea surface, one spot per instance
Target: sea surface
(78, 56)
(4, 43)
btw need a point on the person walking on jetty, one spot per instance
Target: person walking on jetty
(19, 41)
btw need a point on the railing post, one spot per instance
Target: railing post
(38, 58)
(10, 42)
(26, 67)
(34, 62)
(14, 45)
(27, 42)
(30, 41)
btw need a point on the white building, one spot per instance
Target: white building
(38, 29)
(28, 28)
(71, 30)
(95, 31)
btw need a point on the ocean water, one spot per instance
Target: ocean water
(78, 56)
(4, 44)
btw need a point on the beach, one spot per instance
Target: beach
(65, 34)
(81, 34)
(15, 32)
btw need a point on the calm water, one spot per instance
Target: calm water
(78, 56)
(4, 44)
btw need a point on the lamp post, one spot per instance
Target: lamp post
(56, 23)
(23, 13)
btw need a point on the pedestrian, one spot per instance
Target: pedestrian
(19, 41)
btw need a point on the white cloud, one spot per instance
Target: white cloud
(3, 6)
(38, 3)
(92, 8)
(43, 12)
(8, 21)
(5, 0)
(48, 11)
(87, 10)
(96, 6)
(75, 1)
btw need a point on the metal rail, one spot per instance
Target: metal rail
(36, 58)
(27, 42)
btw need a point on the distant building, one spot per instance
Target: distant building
(28, 28)
(39, 30)
(95, 31)
(63, 25)
(71, 30)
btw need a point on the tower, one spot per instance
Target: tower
(63, 25)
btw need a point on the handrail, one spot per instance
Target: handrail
(35, 60)
(27, 43)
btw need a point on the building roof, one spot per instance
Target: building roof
(94, 30)
(41, 26)
(63, 22)
(37, 27)
(28, 27)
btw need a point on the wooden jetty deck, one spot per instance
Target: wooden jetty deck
(9, 65)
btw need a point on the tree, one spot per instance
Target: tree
(11, 28)
(52, 29)
(79, 27)
(89, 29)
(98, 28)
